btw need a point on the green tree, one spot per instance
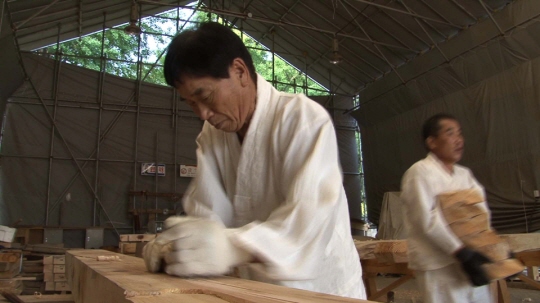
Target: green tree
(122, 54)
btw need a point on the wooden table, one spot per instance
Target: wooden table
(126, 280)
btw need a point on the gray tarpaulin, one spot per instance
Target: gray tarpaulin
(160, 129)
(391, 220)
(494, 91)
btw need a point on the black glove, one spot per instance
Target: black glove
(471, 263)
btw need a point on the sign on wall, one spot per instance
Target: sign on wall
(149, 169)
(189, 171)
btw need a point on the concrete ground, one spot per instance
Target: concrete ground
(408, 293)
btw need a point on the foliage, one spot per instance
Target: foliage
(121, 52)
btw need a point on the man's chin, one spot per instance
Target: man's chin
(225, 128)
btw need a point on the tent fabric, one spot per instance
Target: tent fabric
(117, 123)
(494, 93)
(391, 219)
(152, 126)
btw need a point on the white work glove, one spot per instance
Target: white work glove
(194, 247)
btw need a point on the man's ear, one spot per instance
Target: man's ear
(239, 69)
(430, 142)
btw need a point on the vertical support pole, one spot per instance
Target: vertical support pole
(53, 128)
(137, 117)
(273, 60)
(102, 65)
(306, 78)
(156, 182)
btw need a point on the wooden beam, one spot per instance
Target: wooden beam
(44, 299)
(517, 243)
(126, 280)
(390, 287)
(522, 242)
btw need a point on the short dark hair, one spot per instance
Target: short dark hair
(208, 50)
(432, 126)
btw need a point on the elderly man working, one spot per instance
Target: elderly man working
(268, 190)
(446, 271)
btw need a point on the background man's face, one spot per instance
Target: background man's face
(448, 144)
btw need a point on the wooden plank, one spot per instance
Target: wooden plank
(10, 257)
(48, 268)
(47, 298)
(141, 237)
(61, 286)
(517, 243)
(46, 248)
(32, 266)
(59, 259)
(522, 242)
(49, 286)
(502, 292)
(60, 277)
(388, 288)
(128, 248)
(529, 281)
(48, 260)
(59, 269)
(126, 280)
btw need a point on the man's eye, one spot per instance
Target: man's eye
(207, 99)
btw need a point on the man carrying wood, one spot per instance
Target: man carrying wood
(268, 191)
(446, 271)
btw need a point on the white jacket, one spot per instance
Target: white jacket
(283, 189)
(430, 240)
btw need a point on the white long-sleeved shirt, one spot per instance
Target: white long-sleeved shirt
(430, 241)
(282, 188)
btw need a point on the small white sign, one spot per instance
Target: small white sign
(149, 169)
(189, 171)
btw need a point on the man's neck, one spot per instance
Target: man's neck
(449, 167)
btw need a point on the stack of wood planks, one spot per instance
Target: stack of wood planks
(132, 244)
(54, 271)
(10, 267)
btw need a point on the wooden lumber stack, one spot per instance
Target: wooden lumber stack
(125, 279)
(54, 271)
(132, 244)
(10, 267)
(470, 222)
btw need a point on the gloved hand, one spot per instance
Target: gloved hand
(155, 250)
(471, 263)
(194, 247)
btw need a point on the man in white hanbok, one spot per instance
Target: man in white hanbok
(446, 271)
(268, 193)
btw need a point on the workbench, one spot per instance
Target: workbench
(126, 279)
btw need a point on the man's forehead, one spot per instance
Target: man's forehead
(193, 87)
(448, 124)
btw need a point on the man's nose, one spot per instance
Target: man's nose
(205, 112)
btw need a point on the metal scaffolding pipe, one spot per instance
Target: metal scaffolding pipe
(17, 26)
(102, 67)
(34, 88)
(56, 73)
